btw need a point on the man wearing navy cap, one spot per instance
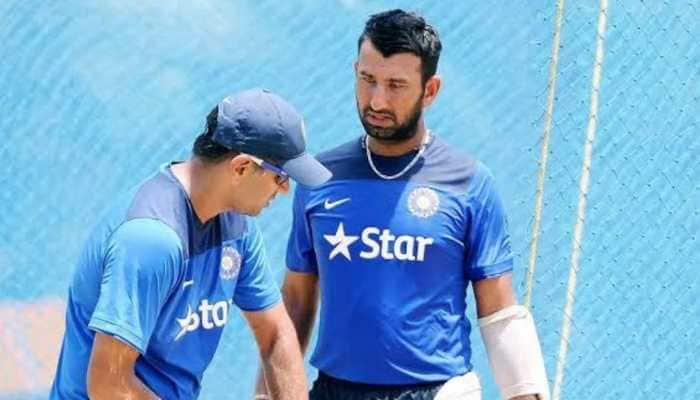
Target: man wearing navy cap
(159, 274)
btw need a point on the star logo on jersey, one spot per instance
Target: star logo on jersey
(341, 242)
(206, 316)
(187, 324)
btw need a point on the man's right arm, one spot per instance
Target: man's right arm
(141, 267)
(111, 374)
(300, 294)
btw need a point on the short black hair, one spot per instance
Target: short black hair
(205, 147)
(398, 31)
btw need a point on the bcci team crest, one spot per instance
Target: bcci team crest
(423, 202)
(230, 263)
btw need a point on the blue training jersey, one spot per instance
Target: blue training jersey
(153, 276)
(394, 259)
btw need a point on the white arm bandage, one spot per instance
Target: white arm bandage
(514, 352)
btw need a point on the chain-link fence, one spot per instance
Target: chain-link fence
(95, 95)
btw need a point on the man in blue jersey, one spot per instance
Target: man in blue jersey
(160, 273)
(393, 241)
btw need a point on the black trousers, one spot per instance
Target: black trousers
(329, 388)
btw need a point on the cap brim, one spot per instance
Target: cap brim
(307, 171)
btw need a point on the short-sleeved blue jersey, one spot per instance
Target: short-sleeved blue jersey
(152, 275)
(394, 259)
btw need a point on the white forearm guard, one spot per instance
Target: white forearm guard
(514, 352)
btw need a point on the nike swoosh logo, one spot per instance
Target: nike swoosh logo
(187, 283)
(328, 205)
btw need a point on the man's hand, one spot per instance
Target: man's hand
(300, 292)
(281, 358)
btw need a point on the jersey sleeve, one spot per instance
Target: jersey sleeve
(488, 242)
(301, 256)
(256, 288)
(141, 266)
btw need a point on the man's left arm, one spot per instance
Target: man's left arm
(511, 340)
(279, 351)
(258, 296)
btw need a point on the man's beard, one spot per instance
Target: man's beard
(396, 133)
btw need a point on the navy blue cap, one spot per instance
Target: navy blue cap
(262, 124)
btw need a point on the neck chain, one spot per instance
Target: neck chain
(421, 150)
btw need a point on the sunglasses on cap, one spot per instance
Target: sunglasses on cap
(281, 178)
